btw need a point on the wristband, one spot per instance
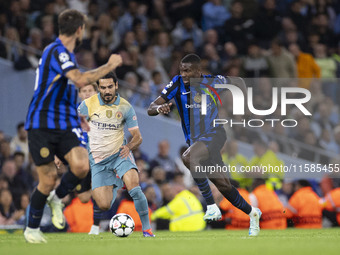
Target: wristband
(158, 108)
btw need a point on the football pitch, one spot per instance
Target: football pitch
(288, 242)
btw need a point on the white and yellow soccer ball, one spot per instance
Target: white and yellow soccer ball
(122, 225)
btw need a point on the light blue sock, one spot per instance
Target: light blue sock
(141, 205)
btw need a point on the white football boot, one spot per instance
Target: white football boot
(213, 213)
(34, 235)
(94, 230)
(255, 216)
(58, 218)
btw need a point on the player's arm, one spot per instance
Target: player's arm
(133, 144)
(83, 114)
(159, 106)
(80, 79)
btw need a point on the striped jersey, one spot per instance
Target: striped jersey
(54, 103)
(188, 100)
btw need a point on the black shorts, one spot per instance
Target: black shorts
(214, 143)
(45, 143)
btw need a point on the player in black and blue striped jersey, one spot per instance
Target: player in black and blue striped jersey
(54, 128)
(205, 141)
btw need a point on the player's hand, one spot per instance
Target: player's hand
(115, 60)
(84, 124)
(57, 162)
(124, 151)
(164, 108)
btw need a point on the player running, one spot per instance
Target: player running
(205, 141)
(54, 128)
(111, 160)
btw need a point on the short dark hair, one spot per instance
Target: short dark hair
(20, 125)
(191, 59)
(93, 84)
(304, 183)
(69, 21)
(110, 75)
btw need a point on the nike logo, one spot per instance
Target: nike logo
(95, 114)
(211, 214)
(184, 93)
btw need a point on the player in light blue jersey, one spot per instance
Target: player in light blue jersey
(111, 160)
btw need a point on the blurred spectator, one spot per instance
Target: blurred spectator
(8, 214)
(238, 29)
(184, 210)
(232, 157)
(163, 49)
(332, 203)
(255, 64)
(151, 196)
(214, 14)
(79, 216)
(304, 207)
(5, 152)
(107, 34)
(235, 218)
(16, 184)
(11, 50)
(151, 64)
(281, 62)
(20, 141)
(163, 159)
(267, 23)
(214, 62)
(328, 68)
(125, 22)
(187, 29)
(306, 66)
(269, 204)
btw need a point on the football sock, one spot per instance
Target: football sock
(237, 200)
(141, 205)
(68, 182)
(203, 185)
(97, 213)
(38, 201)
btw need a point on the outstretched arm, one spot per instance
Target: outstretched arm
(80, 79)
(159, 106)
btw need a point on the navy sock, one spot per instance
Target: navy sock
(67, 184)
(203, 185)
(237, 200)
(141, 205)
(97, 213)
(37, 205)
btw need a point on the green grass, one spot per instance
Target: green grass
(288, 242)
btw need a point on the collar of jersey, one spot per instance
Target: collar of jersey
(116, 102)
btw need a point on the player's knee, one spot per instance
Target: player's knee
(47, 185)
(80, 168)
(84, 197)
(103, 205)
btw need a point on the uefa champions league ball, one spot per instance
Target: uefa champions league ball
(122, 225)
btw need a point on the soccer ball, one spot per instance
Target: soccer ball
(122, 225)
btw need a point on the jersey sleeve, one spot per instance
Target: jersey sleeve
(83, 110)
(131, 119)
(170, 90)
(62, 62)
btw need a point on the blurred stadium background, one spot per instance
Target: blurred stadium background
(259, 40)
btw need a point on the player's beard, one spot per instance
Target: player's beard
(107, 98)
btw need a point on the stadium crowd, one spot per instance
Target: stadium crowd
(266, 42)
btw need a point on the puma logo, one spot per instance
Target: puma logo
(95, 114)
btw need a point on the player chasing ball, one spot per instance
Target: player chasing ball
(54, 127)
(111, 160)
(204, 140)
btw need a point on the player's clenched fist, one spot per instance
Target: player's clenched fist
(115, 60)
(164, 108)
